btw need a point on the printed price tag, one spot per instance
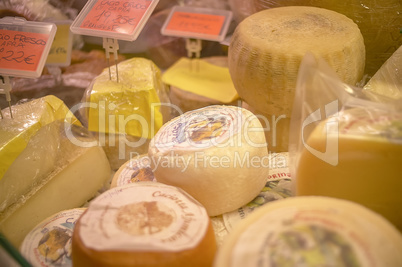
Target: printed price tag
(60, 52)
(117, 19)
(198, 23)
(24, 46)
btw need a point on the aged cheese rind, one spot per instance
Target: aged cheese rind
(312, 231)
(223, 170)
(180, 232)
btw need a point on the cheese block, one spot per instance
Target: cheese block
(144, 224)
(217, 154)
(267, 47)
(137, 169)
(312, 231)
(369, 15)
(124, 108)
(357, 158)
(49, 243)
(52, 161)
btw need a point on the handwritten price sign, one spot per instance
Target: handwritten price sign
(199, 23)
(21, 51)
(119, 19)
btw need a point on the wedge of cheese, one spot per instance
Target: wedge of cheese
(267, 47)
(217, 154)
(356, 156)
(144, 224)
(312, 231)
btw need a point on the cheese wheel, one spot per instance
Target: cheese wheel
(361, 161)
(144, 224)
(137, 169)
(217, 154)
(49, 243)
(267, 47)
(312, 231)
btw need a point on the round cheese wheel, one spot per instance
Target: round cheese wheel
(267, 47)
(312, 231)
(144, 224)
(217, 154)
(49, 243)
(137, 169)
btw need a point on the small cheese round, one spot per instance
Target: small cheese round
(312, 231)
(137, 169)
(144, 224)
(217, 154)
(49, 243)
(267, 47)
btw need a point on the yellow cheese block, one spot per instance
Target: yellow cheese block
(144, 224)
(359, 161)
(267, 47)
(217, 154)
(312, 231)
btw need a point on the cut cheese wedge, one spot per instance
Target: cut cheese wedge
(355, 155)
(217, 154)
(312, 231)
(144, 224)
(267, 47)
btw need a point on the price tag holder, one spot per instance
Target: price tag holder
(197, 23)
(115, 19)
(24, 46)
(60, 51)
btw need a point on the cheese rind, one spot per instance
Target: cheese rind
(312, 231)
(217, 154)
(144, 224)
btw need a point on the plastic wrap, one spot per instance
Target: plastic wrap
(125, 114)
(344, 145)
(39, 149)
(379, 22)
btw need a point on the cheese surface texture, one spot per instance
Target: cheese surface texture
(267, 47)
(366, 167)
(49, 243)
(312, 231)
(217, 154)
(144, 224)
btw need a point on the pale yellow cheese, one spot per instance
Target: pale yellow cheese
(267, 47)
(144, 224)
(359, 160)
(217, 154)
(312, 231)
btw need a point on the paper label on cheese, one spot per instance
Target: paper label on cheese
(200, 129)
(136, 170)
(49, 244)
(143, 218)
(302, 237)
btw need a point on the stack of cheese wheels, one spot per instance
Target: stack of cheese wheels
(144, 224)
(137, 169)
(312, 231)
(266, 50)
(217, 154)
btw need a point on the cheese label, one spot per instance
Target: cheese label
(136, 170)
(144, 217)
(302, 237)
(49, 243)
(200, 129)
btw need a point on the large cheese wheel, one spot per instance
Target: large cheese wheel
(267, 47)
(312, 231)
(361, 161)
(217, 154)
(144, 224)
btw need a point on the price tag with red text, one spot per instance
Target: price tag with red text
(24, 46)
(116, 19)
(197, 23)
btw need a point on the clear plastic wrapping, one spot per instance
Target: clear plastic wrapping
(343, 144)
